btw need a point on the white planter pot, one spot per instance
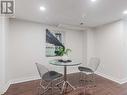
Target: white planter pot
(65, 57)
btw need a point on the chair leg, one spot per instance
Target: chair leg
(51, 88)
(89, 80)
(94, 82)
(81, 79)
(38, 90)
(59, 84)
(85, 82)
(44, 88)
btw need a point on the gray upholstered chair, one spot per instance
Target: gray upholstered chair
(90, 69)
(47, 77)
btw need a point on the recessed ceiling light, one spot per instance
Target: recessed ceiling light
(93, 0)
(125, 12)
(42, 8)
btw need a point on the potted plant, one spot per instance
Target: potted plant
(63, 52)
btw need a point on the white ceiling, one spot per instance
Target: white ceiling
(70, 12)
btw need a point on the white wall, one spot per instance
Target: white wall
(74, 40)
(84, 48)
(3, 31)
(90, 44)
(109, 47)
(27, 46)
(2, 73)
(109, 43)
(125, 50)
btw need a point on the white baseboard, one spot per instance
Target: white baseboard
(123, 81)
(120, 81)
(4, 88)
(19, 80)
(108, 77)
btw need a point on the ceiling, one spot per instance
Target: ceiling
(71, 12)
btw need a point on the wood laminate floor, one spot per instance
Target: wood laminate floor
(103, 87)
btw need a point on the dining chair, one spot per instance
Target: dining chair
(47, 77)
(90, 69)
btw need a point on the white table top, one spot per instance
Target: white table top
(56, 62)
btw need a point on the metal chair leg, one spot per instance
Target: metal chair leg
(81, 80)
(46, 88)
(94, 82)
(51, 88)
(85, 82)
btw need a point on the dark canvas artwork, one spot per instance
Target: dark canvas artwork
(54, 42)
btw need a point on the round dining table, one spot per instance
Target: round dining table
(65, 64)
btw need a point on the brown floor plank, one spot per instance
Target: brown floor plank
(103, 87)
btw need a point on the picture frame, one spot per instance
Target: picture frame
(51, 48)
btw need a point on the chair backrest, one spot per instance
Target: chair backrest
(41, 69)
(94, 63)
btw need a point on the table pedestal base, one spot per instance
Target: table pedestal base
(65, 85)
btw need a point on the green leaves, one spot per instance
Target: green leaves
(67, 51)
(61, 51)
